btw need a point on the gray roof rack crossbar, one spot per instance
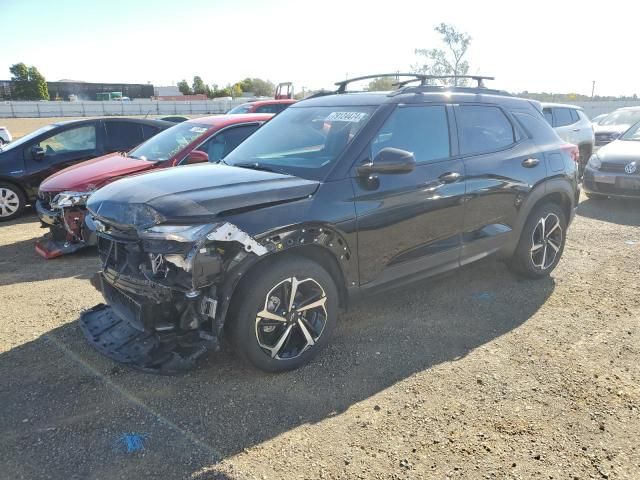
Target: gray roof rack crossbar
(424, 78)
(342, 85)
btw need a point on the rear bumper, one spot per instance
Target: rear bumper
(611, 183)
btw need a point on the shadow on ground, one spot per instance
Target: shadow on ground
(65, 406)
(621, 211)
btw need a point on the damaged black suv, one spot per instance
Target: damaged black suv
(338, 195)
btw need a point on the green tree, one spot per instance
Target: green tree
(447, 61)
(257, 86)
(184, 87)
(381, 84)
(198, 86)
(28, 83)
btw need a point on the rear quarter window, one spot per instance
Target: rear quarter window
(536, 128)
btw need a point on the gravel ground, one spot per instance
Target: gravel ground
(475, 374)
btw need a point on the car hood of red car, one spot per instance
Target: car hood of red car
(94, 173)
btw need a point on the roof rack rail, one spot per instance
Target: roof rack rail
(424, 78)
(342, 85)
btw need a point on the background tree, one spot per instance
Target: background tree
(448, 61)
(184, 87)
(28, 83)
(257, 86)
(382, 84)
(199, 87)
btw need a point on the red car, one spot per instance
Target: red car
(62, 197)
(262, 106)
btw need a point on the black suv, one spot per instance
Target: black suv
(337, 195)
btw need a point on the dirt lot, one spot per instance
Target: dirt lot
(472, 375)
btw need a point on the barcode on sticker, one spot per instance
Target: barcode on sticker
(345, 116)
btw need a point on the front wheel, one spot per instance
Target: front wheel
(284, 313)
(12, 201)
(541, 243)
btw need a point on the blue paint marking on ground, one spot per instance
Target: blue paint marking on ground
(133, 442)
(485, 296)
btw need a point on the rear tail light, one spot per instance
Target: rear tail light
(573, 151)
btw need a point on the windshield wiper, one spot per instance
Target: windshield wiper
(260, 166)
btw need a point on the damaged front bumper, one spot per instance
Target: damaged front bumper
(162, 296)
(68, 232)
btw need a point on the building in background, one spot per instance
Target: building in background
(79, 90)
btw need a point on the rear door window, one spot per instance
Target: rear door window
(483, 129)
(122, 136)
(422, 130)
(563, 117)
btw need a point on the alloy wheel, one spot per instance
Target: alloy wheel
(9, 202)
(546, 241)
(292, 319)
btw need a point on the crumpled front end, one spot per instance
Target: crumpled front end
(162, 294)
(64, 214)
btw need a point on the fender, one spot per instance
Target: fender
(301, 239)
(549, 188)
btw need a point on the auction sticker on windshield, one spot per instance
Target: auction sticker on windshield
(345, 116)
(198, 129)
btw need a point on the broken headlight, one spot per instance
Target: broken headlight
(70, 199)
(177, 233)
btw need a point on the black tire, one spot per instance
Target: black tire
(528, 258)
(265, 289)
(12, 201)
(596, 196)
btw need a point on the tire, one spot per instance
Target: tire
(596, 196)
(274, 345)
(12, 201)
(532, 256)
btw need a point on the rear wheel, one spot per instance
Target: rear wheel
(12, 201)
(541, 243)
(284, 313)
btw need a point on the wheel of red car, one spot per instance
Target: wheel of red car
(284, 314)
(12, 201)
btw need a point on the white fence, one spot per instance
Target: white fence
(98, 109)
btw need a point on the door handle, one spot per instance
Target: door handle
(576, 129)
(449, 177)
(530, 162)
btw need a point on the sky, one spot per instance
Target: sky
(553, 46)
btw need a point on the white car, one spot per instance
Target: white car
(5, 136)
(573, 126)
(615, 124)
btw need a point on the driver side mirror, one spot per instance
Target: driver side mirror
(389, 160)
(37, 152)
(197, 156)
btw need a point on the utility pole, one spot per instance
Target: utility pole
(593, 88)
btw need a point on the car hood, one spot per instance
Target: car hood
(94, 173)
(193, 194)
(620, 151)
(611, 128)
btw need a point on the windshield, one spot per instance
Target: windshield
(622, 117)
(302, 141)
(244, 108)
(632, 134)
(26, 138)
(169, 142)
